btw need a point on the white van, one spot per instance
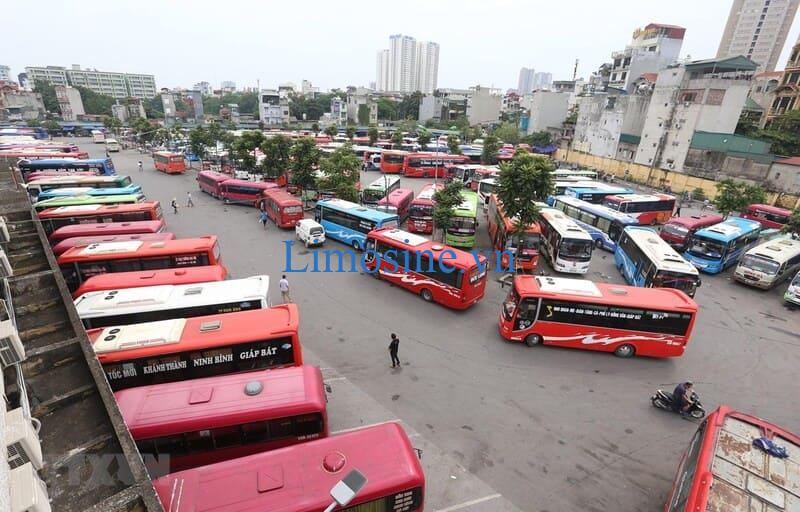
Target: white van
(98, 136)
(112, 146)
(310, 232)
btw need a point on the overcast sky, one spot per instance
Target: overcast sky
(334, 44)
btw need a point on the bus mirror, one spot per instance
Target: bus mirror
(419, 453)
(328, 388)
(699, 283)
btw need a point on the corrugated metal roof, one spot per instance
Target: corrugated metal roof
(729, 143)
(738, 63)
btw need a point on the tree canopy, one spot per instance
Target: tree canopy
(363, 115)
(341, 170)
(372, 133)
(735, 196)
(243, 148)
(277, 150)
(507, 132)
(446, 201)
(491, 145)
(48, 93)
(247, 101)
(783, 133)
(793, 226)
(305, 159)
(452, 144)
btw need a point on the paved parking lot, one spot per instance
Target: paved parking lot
(504, 425)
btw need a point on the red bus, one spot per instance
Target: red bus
(41, 154)
(398, 201)
(677, 231)
(420, 213)
(210, 181)
(769, 216)
(650, 209)
(40, 146)
(299, 478)
(202, 346)
(169, 163)
(80, 263)
(575, 313)
(42, 175)
(107, 228)
(282, 208)
(84, 241)
(501, 232)
(243, 191)
(429, 165)
(54, 218)
(392, 161)
(120, 280)
(436, 272)
(204, 421)
(722, 469)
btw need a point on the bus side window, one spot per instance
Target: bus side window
(686, 473)
(527, 313)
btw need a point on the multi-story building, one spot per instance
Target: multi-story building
(427, 66)
(542, 80)
(338, 111)
(5, 73)
(195, 99)
(55, 75)
(525, 81)
(70, 102)
(16, 105)
(271, 109)
(481, 105)
(120, 112)
(117, 85)
(170, 109)
(610, 124)
(758, 30)
(651, 50)
(308, 90)
(227, 86)
(786, 96)
(203, 87)
(285, 90)
(543, 111)
(362, 107)
(407, 65)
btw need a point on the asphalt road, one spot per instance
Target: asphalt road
(549, 429)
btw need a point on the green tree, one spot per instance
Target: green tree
(53, 127)
(244, 147)
(315, 127)
(341, 170)
(200, 140)
(423, 138)
(305, 159)
(793, 226)
(350, 132)
(363, 115)
(699, 194)
(372, 133)
(490, 148)
(507, 132)
(734, 196)
(387, 109)
(112, 123)
(95, 103)
(144, 131)
(48, 93)
(331, 131)
(452, 144)
(409, 106)
(397, 139)
(538, 139)
(33, 123)
(446, 201)
(277, 151)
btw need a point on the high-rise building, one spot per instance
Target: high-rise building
(542, 80)
(407, 65)
(525, 82)
(204, 88)
(652, 48)
(117, 85)
(5, 73)
(757, 29)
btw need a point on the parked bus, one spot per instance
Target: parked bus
(398, 202)
(378, 189)
(564, 244)
(715, 248)
(430, 165)
(769, 263)
(677, 231)
(769, 216)
(419, 265)
(85, 241)
(243, 191)
(281, 207)
(193, 348)
(596, 193)
(236, 416)
(176, 276)
(486, 188)
(575, 313)
(154, 303)
(299, 478)
(724, 470)
(54, 218)
(98, 166)
(349, 222)
(471, 174)
(525, 247)
(169, 163)
(420, 213)
(645, 260)
(211, 181)
(392, 161)
(650, 209)
(574, 174)
(98, 136)
(39, 154)
(89, 191)
(44, 184)
(108, 228)
(603, 224)
(561, 185)
(80, 263)
(461, 232)
(86, 200)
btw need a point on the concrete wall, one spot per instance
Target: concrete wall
(483, 106)
(547, 110)
(785, 177)
(599, 127)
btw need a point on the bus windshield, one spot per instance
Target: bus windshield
(462, 225)
(420, 211)
(676, 230)
(705, 248)
(759, 264)
(580, 250)
(373, 195)
(685, 282)
(524, 241)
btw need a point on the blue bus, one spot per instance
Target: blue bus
(97, 166)
(134, 190)
(596, 193)
(349, 222)
(717, 247)
(602, 223)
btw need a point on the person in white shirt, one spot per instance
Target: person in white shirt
(283, 284)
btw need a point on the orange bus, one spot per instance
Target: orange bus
(202, 346)
(80, 263)
(429, 165)
(121, 280)
(392, 161)
(501, 232)
(281, 207)
(169, 163)
(107, 228)
(54, 218)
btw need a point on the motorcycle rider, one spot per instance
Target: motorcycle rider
(682, 397)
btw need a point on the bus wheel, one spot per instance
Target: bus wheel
(356, 247)
(533, 339)
(226, 201)
(598, 243)
(625, 350)
(653, 222)
(426, 295)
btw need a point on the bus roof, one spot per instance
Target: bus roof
(71, 178)
(728, 229)
(120, 250)
(597, 209)
(169, 296)
(778, 249)
(564, 226)
(299, 478)
(120, 280)
(199, 404)
(396, 196)
(152, 338)
(82, 241)
(86, 199)
(167, 154)
(90, 209)
(612, 294)
(427, 192)
(46, 162)
(255, 184)
(659, 251)
(281, 196)
(639, 198)
(383, 183)
(468, 206)
(770, 209)
(214, 175)
(601, 187)
(107, 228)
(416, 243)
(693, 221)
(362, 211)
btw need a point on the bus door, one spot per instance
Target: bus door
(527, 313)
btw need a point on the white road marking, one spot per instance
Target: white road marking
(364, 426)
(469, 503)
(334, 379)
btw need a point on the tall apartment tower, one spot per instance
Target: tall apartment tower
(525, 82)
(407, 65)
(757, 29)
(427, 66)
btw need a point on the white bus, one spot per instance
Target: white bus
(486, 188)
(98, 137)
(565, 245)
(574, 174)
(154, 303)
(112, 146)
(770, 263)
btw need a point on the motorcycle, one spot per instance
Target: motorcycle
(665, 400)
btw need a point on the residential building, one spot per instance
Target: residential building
(525, 81)
(170, 110)
(762, 92)
(203, 87)
(382, 71)
(55, 75)
(5, 73)
(308, 90)
(481, 105)
(120, 112)
(407, 65)
(361, 100)
(227, 86)
(787, 93)
(136, 108)
(271, 109)
(610, 124)
(543, 111)
(699, 96)
(542, 80)
(16, 105)
(427, 67)
(194, 99)
(652, 48)
(285, 90)
(339, 111)
(70, 102)
(117, 85)
(758, 30)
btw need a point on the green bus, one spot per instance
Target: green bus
(379, 189)
(57, 202)
(461, 232)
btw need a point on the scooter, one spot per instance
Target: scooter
(664, 400)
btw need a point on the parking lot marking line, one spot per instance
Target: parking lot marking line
(334, 379)
(364, 426)
(468, 503)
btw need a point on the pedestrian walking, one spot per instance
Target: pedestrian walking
(174, 205)
(678, 210)
(140, 166)
(189, 203)
(283, 284)
(263, 219)
(394, 346)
